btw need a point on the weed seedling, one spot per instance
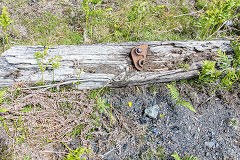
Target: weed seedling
(55, 63)
(79, 74)
(153, 89)
(105, 108)
(78, 154)
(2, 110)
(154, 154)
(179, 101)
(2, 93)
(5, 21)
(39, 56)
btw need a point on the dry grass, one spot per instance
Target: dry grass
(39, 131)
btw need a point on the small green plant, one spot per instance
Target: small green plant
(78, 154)
(27, 157)
(177, 157)
(179, 101)
(105, 108)
(102, 106)
(232, 122)
(209, 73)
(153, 89)
(2, 93)
(55, 63)
(91, 11)
(5, 21)
(154, 154)
(79, 74)
(225, 71)
(27, 108)
(184, 66)
(40, 57)
(99, 92)
(77, 130)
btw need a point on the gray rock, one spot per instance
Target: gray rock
(207, 154)
(152, 112)
(209, 144)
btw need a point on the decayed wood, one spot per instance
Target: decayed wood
(104, 63)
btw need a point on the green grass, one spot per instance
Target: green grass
(136, 21)
(51, 30)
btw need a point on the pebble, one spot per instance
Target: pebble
(209, 144)
(152, 112)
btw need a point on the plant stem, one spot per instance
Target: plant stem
(53, 74)
(129, 30)
(6, 36)
(42, 77)
(65, 145)
(42, 70)
(179, 100)
(11, 149)
(91, 29)
(110, 116)
(102, 89)
(86, 24)
(6, 128)
(139, 25)
(3, 44)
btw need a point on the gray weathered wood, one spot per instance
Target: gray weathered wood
(103, 63)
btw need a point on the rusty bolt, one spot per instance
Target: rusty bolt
(140, 62)
(138, 51)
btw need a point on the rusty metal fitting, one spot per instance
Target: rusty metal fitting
(139, 55)
(140, 62)
(138, 51)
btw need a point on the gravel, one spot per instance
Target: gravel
(205, 134)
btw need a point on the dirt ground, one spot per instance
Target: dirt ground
(210, 133)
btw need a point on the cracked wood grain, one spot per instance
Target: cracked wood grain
(103, 63)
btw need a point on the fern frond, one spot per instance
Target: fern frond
(174, 92)
(230, 78)
(188, 105)
(176, 156)
(189, 158)
(223, 59)
(236, 51)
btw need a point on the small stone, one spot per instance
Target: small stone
(152, 112)
(207, 154)
(209, 144)
(175, 128)
(154, 130)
